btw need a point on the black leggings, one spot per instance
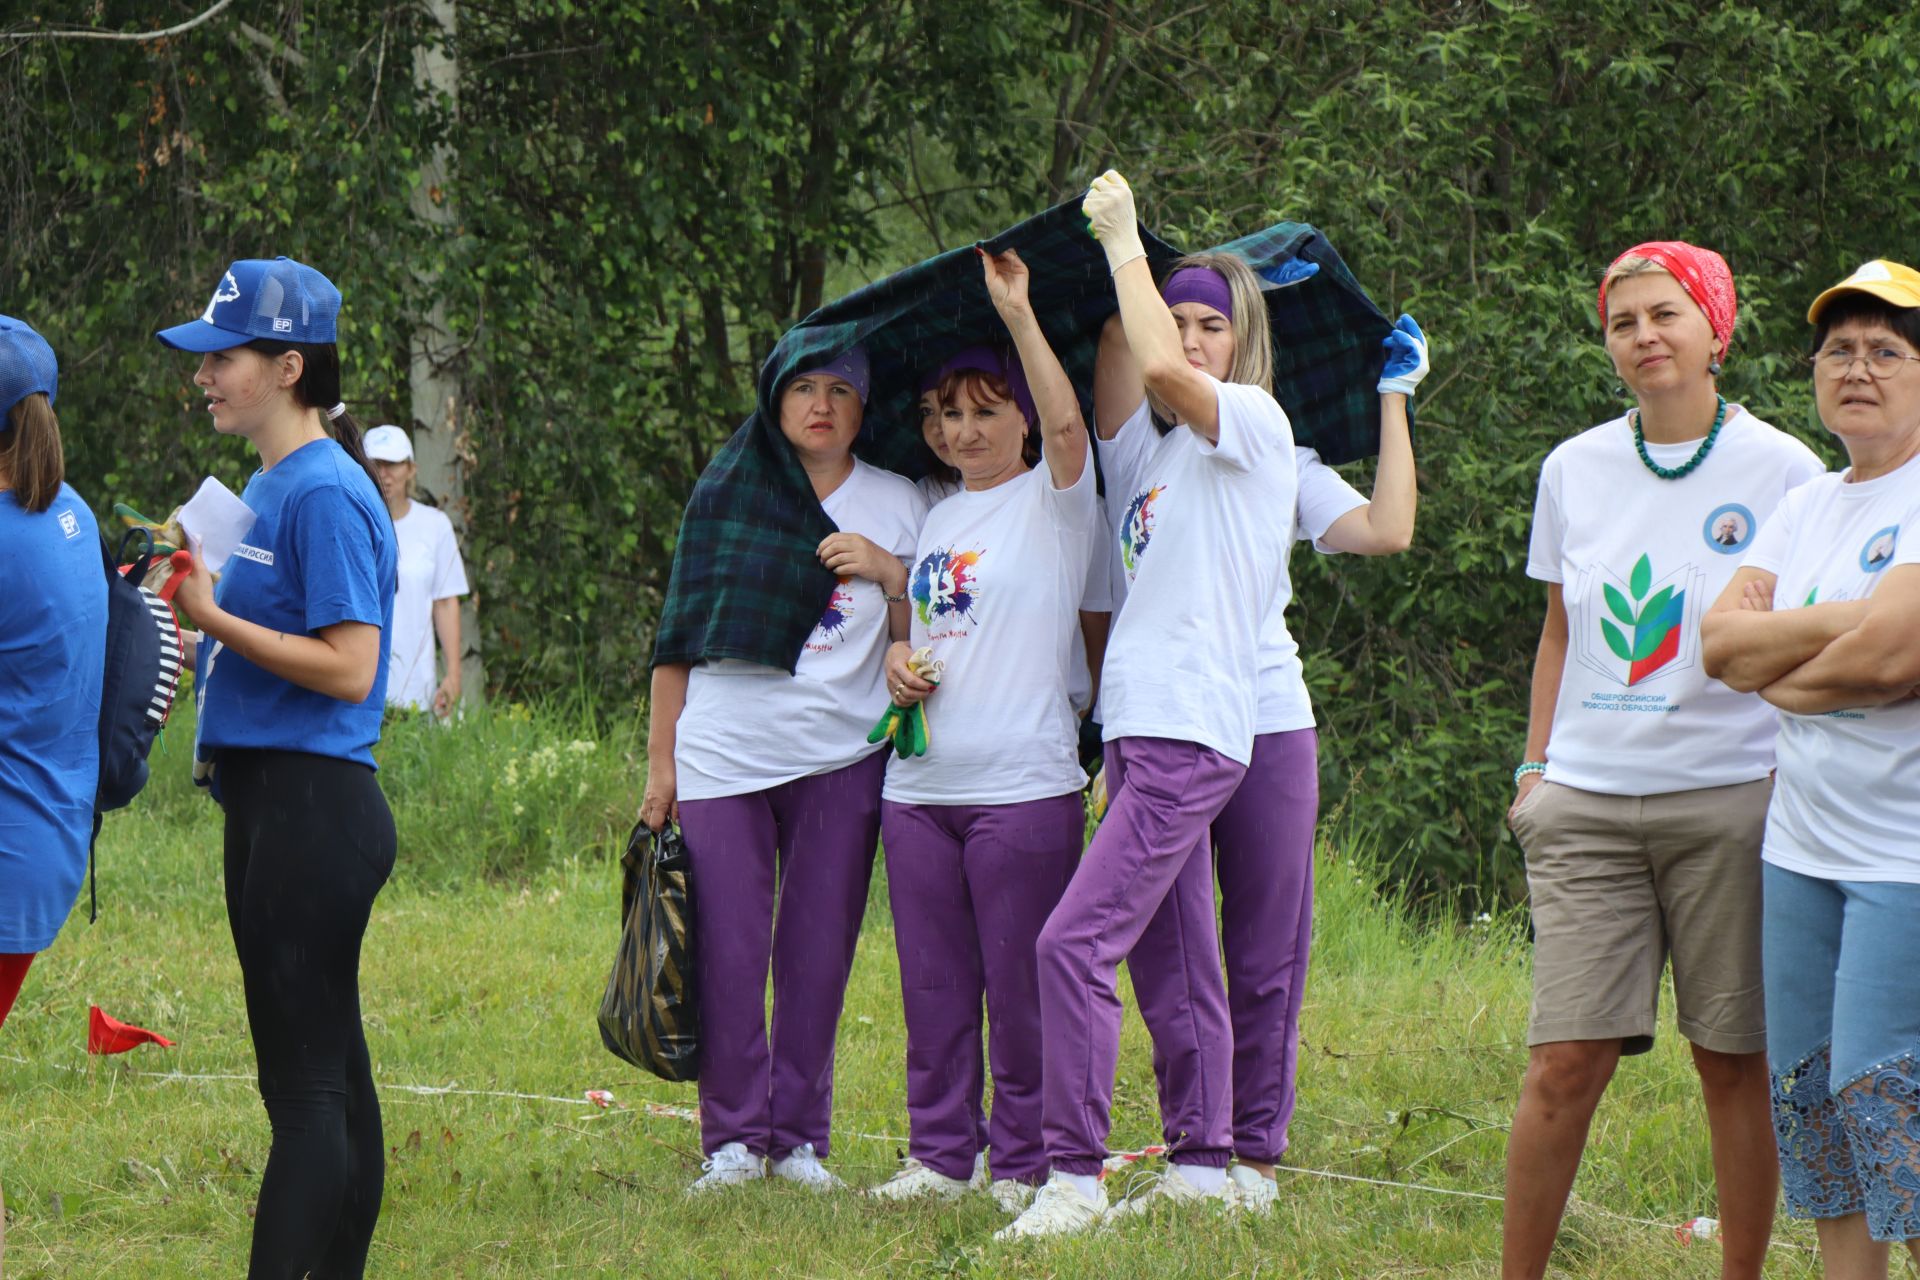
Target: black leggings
(309, 842)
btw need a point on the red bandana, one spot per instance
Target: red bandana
(1701, 272)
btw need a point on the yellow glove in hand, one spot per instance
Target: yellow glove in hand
(1109, 209)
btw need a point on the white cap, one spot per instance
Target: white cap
(388, 444)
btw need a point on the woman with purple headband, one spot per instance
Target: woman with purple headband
(1205, 560)
(1263, 839)
(983, 831)
(785, 822)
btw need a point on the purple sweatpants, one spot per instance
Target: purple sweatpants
(971, 886)
(815, 838)
(1263, 850)
(1150, 850)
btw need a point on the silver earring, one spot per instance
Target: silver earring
(1713, 366)
(1619, 390)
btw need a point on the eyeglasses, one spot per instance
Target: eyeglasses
(1838, 362)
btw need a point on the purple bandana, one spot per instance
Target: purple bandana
(1199, 284)
(1006, 367)
(850, 366)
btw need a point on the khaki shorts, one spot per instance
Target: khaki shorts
(1620, 882)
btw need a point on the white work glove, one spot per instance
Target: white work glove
(1109, 208)
(1407, 360)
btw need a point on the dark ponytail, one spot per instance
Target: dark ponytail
(30, 454)
(319, 388)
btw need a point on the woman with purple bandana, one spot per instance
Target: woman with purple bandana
(1205, 559)
(983, 831)
(1263, 839)
(789, 816)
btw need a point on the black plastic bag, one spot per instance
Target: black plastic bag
(650, 1014)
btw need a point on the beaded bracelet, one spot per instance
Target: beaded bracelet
(1530, 766)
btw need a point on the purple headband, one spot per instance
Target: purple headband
(1005, 367)
(849, 366)
(1199, 284)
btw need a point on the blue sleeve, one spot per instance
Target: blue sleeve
(337, 550)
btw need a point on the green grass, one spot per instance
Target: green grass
(483, 969)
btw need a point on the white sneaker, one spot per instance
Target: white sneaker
(730, 1166)
(1011, 1195)
(1256, 1190)
(1171, 1188)
(1057, 1209)
(802, 1166)
(980, 1178)
(917, 1182)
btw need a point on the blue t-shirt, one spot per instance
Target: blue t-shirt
(321, 551)
(53, 652)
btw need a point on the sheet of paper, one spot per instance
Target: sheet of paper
(215, 521)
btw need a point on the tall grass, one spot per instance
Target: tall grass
(483, 967)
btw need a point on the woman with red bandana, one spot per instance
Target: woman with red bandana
(1642, 797)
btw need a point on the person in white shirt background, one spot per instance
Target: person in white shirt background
(1820, 620)
(432, 580)
(1643, 794)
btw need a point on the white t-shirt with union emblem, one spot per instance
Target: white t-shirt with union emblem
(747, 727)
(1846, 805)
(1639, 560)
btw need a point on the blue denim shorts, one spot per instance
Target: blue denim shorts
(1842, 967)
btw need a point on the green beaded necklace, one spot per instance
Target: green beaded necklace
(1699, 455)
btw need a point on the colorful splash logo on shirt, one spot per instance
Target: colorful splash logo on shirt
(1136, 531)
(1729, 529)
(839, 611)
(1643, 632)
(1877, 554)
(945, 584)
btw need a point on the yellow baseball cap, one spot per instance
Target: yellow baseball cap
(1885, 280)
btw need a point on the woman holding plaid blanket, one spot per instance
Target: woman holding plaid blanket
(777, 792)
(983, 831)
(1206, 559)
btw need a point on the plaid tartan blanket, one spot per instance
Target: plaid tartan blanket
(745, 583)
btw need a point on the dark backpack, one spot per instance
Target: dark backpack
(144, 658)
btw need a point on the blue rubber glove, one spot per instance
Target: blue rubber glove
(1292, 271)
(1407, 361)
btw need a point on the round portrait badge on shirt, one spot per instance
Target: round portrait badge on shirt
(1877, 554)
(1729, 529)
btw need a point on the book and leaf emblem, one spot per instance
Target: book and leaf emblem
(1643, 623)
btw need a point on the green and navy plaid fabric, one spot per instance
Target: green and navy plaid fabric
(745, 582)
(1326, 343)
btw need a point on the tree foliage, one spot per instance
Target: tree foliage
(646, 195)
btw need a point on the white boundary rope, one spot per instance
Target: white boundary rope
(603, 1100)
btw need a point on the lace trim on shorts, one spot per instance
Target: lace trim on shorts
(1882, 1108)
(1818, 1169)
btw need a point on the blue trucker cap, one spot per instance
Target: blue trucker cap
(283, 300)
(26, 364)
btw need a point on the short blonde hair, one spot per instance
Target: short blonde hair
(1628, 267)
(1252, 334)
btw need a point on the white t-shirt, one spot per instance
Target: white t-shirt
(1846, 804)
(1097, 597)
(936, 488)
(748, 727)
(1206, 557)
(1640, 559)
(1325, 496)
(995, 589)
(430, 569)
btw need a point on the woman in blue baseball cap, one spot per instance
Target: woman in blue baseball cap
(53, 630)
(291, 672)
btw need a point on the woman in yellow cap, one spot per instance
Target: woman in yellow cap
(1820, 620)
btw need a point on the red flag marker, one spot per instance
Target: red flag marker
(110, 1035)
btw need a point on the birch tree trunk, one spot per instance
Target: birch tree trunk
(440, 450)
